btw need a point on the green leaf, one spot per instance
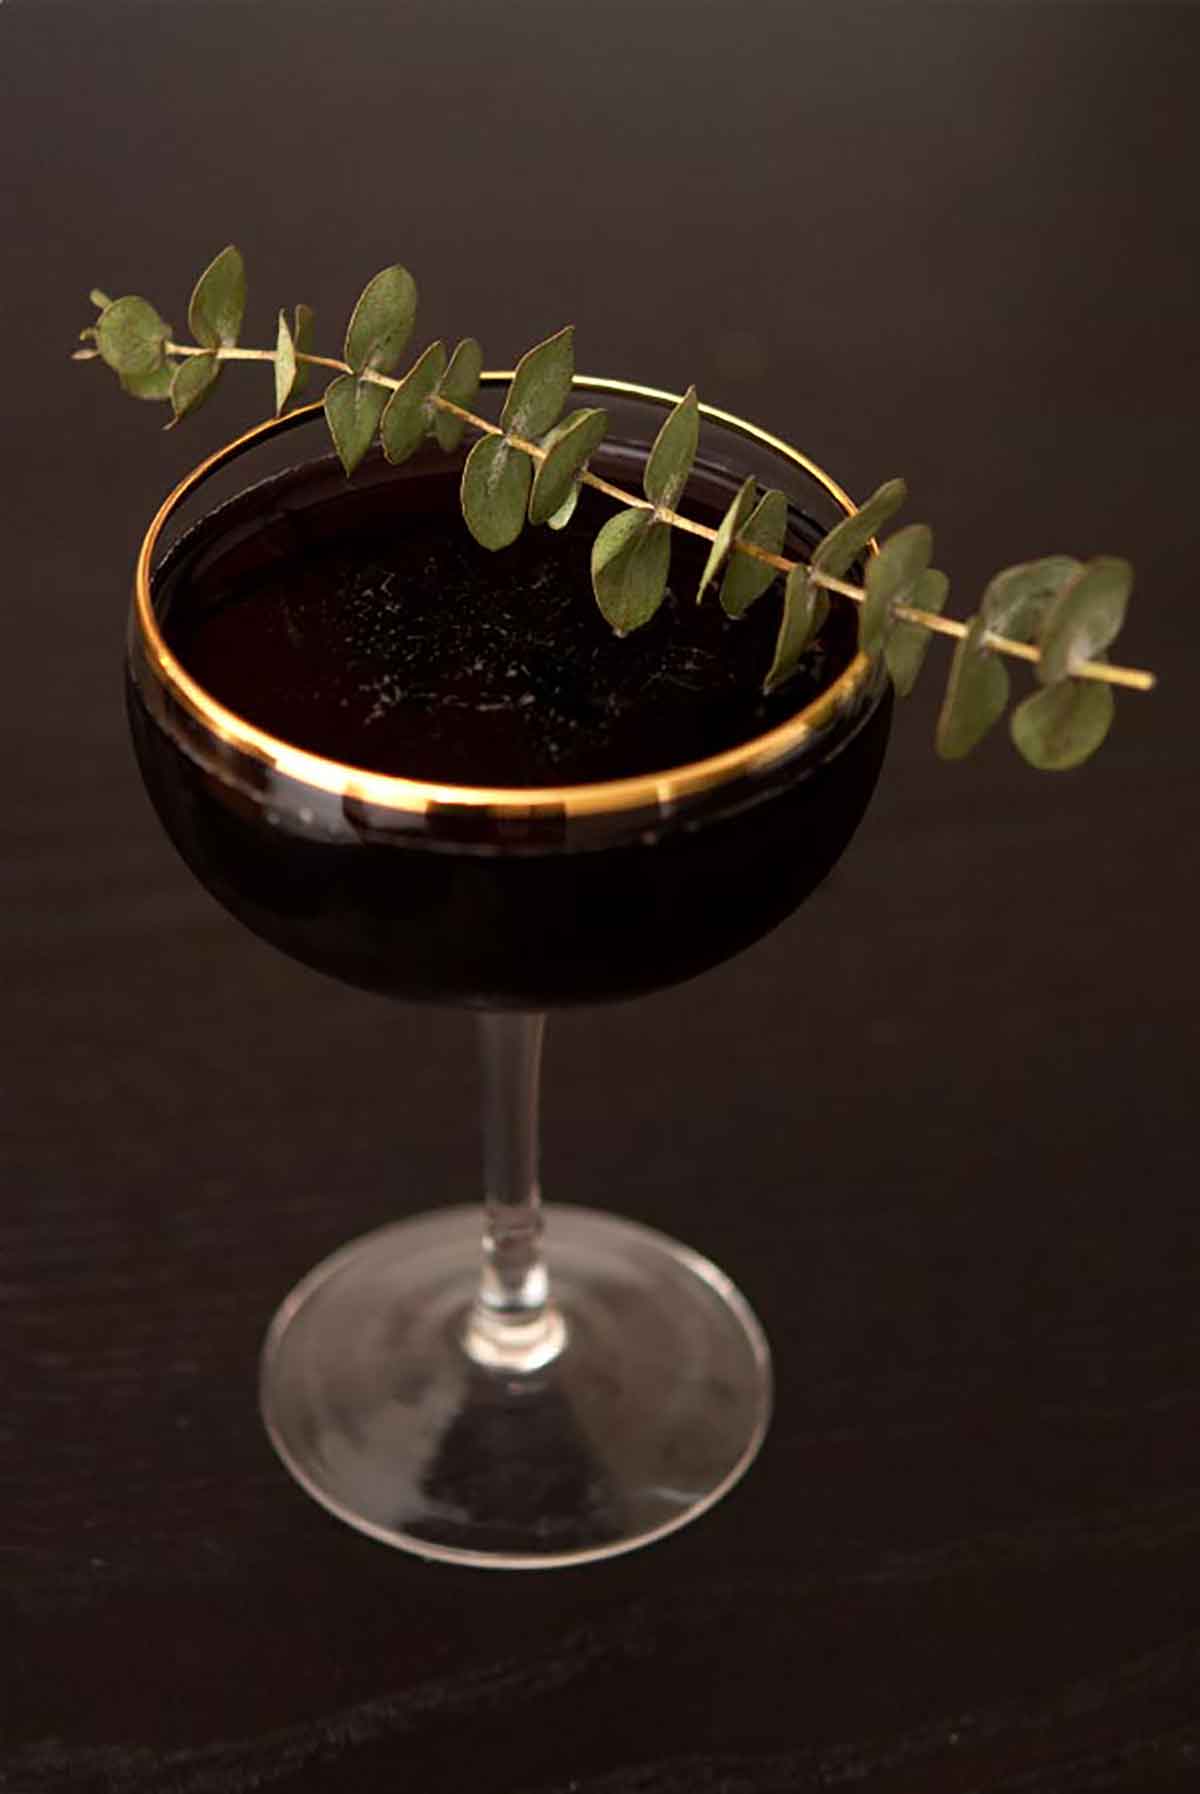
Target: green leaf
(670, 459)
(976, 694)
(460, 384)
(620, 532)
(408, 414)
(352, 411)
(567, 448)
(746, 578)
(194, 380)
(495, 491)
(1016, 599)
(1063, 725)
(908, 644)
(218, 301)
(100, 300)
(285, 365)
(154, 385)
(805, 608)
(892, 575)
(1085, 617)
(565, 511)
(540, 386)
(382, 322)
(630, 561)
(131, 336)
(730, 526)
(303, 333)
(291, 374)
(837, 552)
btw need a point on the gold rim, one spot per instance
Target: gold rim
(646, 790)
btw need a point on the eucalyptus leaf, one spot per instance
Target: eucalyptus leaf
(908, 644)
(1061, 726)
(460, 384)
(407, 415)
(285, 364)
(131, 336)
(154, 385)
(291, 374)
(976, 694)
(382, 321)
(565, 511)
(353, 409)
(837, 552)
(1085, 617)
(218, 301)
(1016, 599)
(745, 577)
(670, 460)
(722, 544)
(303, 333)
(193, 381)
(891, 578)
(495, 491)
(805, 608)
(630, 561)
(567, 447)
(618, 533)
(540, 386)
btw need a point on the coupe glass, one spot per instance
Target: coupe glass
(476, 1384)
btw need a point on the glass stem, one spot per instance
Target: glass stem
(513, 1325)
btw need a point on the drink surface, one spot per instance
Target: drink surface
(376, 632)
(358, 621)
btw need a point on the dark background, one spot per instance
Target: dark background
(937, 1126)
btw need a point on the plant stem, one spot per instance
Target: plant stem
(1132, 678)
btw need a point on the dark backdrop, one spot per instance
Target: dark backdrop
(937, 1126)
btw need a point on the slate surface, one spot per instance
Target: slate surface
(939, 1126)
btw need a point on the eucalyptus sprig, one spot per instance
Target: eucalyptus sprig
(1057, 613)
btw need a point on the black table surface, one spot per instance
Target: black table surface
(937, 1126)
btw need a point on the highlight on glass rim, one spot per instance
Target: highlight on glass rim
(1059, 613)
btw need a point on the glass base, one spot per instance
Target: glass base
(655, 1406)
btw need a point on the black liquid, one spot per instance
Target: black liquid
(397, 644)
(361, 623)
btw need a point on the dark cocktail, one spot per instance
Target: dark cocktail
(434, 772)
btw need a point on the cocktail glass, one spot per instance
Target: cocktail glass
(474, 1384)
